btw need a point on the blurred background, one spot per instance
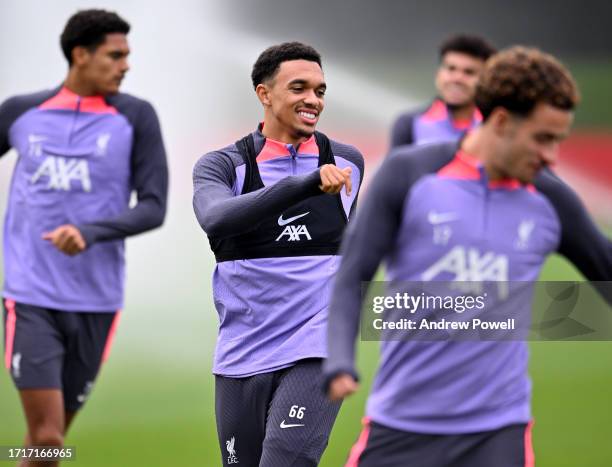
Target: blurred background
(153, 404)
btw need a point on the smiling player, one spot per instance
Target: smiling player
(274, 206)
(454, 111)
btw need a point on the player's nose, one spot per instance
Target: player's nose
(549, 154)
(311, 98)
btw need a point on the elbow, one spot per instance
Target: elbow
(212, 227)
(210, 224)
(156, 217)
(158, 220)
(159, 215)
(210, 219)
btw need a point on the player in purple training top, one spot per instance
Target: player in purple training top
(82, 149)
(487, 209)
(274, 206)
(453, 112)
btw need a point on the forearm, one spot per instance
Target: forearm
(363, 249)
(221, 214)
(148, 214)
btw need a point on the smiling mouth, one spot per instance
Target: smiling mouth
(457, 88)
(308, 115)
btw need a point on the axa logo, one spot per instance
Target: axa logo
(471, 265)
(293, 232)
(59, 173)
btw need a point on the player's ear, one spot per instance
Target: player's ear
(263, 93)
(500, 120)
(80, 55)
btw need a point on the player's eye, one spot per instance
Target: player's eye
(545, 138)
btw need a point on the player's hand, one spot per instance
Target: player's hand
(342, 386)
(67, 239)
(333, 179)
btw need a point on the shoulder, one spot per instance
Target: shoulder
(227, 158)
(408, 116)
(556, 190)
(125, 100)
(561, 196)
(17, 105)
(422, 159)
(135, 109)
(408, 166)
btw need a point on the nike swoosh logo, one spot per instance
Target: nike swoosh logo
(439, 218)
(290, 425)
(282, 221)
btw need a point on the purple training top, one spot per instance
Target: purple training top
(431, 215)
(433, 124)
(79, 158)
(272, 311)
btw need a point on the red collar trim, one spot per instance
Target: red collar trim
(274, 149)
(465, 166)
(438, 111)
(65, 99)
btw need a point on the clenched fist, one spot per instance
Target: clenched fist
(67, 239)
(333, 179)
(342, 386)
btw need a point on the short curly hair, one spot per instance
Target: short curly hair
(88, 28)
(269, 61)
(474, 46)
(519, 78)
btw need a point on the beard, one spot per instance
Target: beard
(303, 133)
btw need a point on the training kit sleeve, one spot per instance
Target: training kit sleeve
(581, 242)
(221, 213)
(149, 177)
(401, 132)
(12, 108)
(368, 240)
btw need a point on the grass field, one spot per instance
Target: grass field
(147, 410)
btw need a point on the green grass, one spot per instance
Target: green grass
(150, 412)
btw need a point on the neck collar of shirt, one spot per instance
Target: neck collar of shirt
(439, 111)
(273, 149)
(467, 167)
(66, 99)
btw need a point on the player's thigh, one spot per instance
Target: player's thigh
(381, 446)
(300, 418)
(44, 413)
(507, 447)
(241, 407)
(34, 347)
(88, 337)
